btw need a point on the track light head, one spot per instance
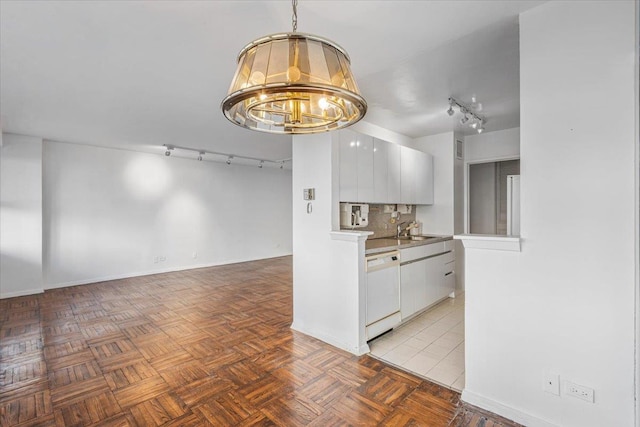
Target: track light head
(450, 111)
(229, 160)
(261, 164)
(200, 154)
(282, 165)
(167, 153)
(464, 119)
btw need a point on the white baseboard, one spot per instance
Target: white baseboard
(22, 293)
(357, 350)
(150, 272)
(90, 280)
(504, 410)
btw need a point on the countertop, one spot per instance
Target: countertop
(384, 244)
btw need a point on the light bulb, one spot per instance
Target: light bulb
(323, 103)
(480, 129)
(474, 125)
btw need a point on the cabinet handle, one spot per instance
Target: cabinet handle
(446, 274)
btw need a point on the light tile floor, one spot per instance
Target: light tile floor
(430, 345)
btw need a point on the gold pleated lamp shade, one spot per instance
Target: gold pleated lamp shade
(293, 83)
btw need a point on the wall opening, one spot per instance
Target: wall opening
(493, 201)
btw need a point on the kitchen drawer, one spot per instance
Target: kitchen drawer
(416, 252)
(448, 257)
(450, 282)
(450, 266)
(449, 245)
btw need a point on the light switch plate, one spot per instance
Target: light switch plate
(309, 194)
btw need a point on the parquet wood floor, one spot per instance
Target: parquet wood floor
(202, 347)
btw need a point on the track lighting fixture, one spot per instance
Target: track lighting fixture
(469, 117)
(227, 157)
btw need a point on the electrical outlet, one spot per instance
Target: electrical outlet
(155, 260)
(194, 255)
(579, 391)
(552, 383)
(163, 258)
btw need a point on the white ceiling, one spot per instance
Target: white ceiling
(142, 74)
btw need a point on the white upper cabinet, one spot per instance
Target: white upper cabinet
(380, 171)
(424, 179)
(393, 173)
(377, 171)
(408, 175)
(348, 166)
(356, 167)
(364, 147)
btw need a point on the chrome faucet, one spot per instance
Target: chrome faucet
(399, 229)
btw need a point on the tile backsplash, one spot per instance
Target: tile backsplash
(380, 224)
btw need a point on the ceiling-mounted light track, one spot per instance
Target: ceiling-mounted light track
(469, 117)
(170, 148)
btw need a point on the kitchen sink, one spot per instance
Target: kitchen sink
(417, 237)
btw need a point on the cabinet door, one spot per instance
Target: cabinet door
(410, 277)
(348, 166)
(393, 173)
(424, 178)
(380, 171)
(364, 150)
(407, 175)
(434, 280)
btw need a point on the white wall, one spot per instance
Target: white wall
(565, 303)
(20, 215)
(381, 133)
(108, 213)
(502, 144)
(328, 294)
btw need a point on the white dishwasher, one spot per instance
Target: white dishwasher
(383, 292)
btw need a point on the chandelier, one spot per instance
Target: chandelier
(293, 83)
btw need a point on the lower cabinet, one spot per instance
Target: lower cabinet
(411, 277)
(425, 281)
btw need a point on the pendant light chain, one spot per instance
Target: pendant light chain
(294, 17)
